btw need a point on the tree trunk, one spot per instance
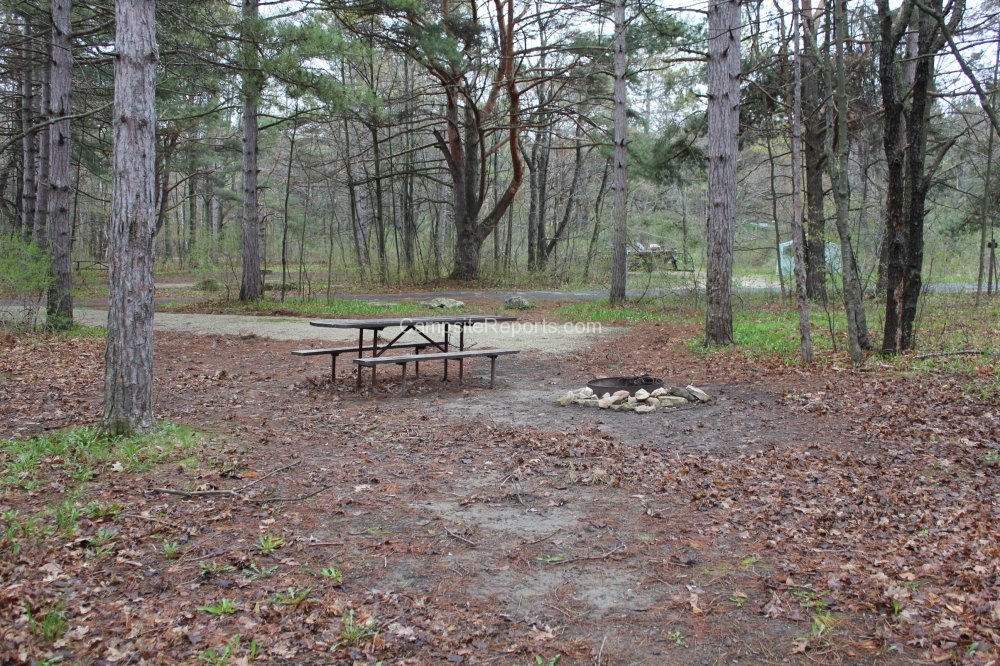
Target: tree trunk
(532, 162)
(838, 161)
(984, 202)
(560, 231)
(29, 141)
(59, 308)
(919, 182)
(379, 208)
(723, 149)
(596, 230)
(284, 213)
(619, 212)
(905, 143)
(128, 378)
(798, 237)
(814, 139)
(41, 224)
(252, 285)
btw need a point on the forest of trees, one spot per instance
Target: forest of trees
(397, 140)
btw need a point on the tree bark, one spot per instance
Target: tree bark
(59, 307)
(814, 139)
(905, 143)
(252, 285)
(619, 214)
(29, 140)
(128, 378)
(723, 150)
(798, 237)
(837, 160)
(40, 224)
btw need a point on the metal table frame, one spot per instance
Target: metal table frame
(408, 324)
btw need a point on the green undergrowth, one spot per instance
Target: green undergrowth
(81, 454)
(56, 480)
(952, 335)
(338, 307)
(636, 312)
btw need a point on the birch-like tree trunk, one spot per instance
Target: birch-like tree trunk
(620, 179)
(128, 358)
(59, 308)
(723, 149)
(837, 162)
(798, 236)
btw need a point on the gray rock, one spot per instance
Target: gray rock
(682, 392)
(672, 401)
(641, 394)
(698, 393)
(443, 303)
(644, 408)
(517, 303)
(567, 399)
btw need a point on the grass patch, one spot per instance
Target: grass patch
(335, 308)
(635, 312)
(81, 453)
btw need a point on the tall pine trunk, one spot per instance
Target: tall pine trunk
(59, 309)
(252, 285)
(723, 149)
(619, 213)
(128, 359)
(29, 140)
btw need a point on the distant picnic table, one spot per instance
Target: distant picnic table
(370, 355)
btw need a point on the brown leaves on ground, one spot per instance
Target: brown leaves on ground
(824, 515)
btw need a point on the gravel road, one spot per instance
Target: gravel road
(543, 336)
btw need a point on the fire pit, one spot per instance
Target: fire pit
(630, 384)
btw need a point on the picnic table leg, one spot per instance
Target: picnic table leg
(493, 369)
(446, 338)
(416, 352)
(461, 347)
(374, 354)
(361, 347)
(333, 369)
(403, 382)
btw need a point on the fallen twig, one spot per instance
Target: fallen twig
(268, 500)
(962, 352)
(581, 558)
(460, 537)
(544, 538)
(237, 492)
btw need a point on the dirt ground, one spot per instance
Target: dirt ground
(825, 515)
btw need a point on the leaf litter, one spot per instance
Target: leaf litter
(822, 515)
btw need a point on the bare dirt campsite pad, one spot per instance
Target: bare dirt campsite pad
(823, 516)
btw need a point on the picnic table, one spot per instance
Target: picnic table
(374, 353)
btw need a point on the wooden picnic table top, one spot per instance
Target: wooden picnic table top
(410, 322)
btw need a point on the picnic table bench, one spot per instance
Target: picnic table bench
(459, 356)
(334, 352)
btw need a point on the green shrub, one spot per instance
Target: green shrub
(24, 279)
